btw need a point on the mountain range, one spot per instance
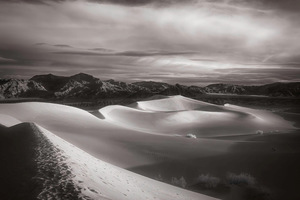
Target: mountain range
(84, 86)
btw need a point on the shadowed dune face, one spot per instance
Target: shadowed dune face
(17, 150)
(179, 116)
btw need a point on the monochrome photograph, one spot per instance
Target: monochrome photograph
(149, 99)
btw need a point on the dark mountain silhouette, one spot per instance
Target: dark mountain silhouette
(85, 86)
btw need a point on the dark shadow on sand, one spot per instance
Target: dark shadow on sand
(273, 159)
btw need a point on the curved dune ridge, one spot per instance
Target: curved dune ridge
(106, 139)
(101, 180)
(50, 113)
(176, 103)
(7, 120)
(179, 115)
(60, 170)
(143, 134)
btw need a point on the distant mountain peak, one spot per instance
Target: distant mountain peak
(46, 76)
(85, 86)
(82, 74)
(83, 77)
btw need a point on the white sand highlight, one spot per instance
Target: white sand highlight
(108, 141)
(8, 121)
(179, 115)
(130, 137)
(151, 132)
(101, 180)
(176, 103)
(48, 113)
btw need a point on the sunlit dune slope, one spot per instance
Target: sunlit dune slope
(129, 136)
(100, 179)
(7, 120)
(60, 170)
(176, 103)
(180, 115)
(49, 114)
(107, 140)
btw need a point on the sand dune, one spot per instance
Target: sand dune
(146, 133)
(130, 137)
(175, 115)
(177, 123)
(49, 113)
(98, 179)
(7, 120)
(176, 103)
(108, 141)
(179, 115)
(63, 171)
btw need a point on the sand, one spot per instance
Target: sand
(41, 165)
(149, 137)
(178, 115)
(129, 137)
(109, 141)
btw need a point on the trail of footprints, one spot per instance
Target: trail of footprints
(54, 175)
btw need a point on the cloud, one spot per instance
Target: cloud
(6, 60)
(63, 46)
(103, 50)
(287, 5)
(290, 5)
(107, 52)
(34, 1)
(206, 28)
(143, 2)
(168, 68)
(181, 42)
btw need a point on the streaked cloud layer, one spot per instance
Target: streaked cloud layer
(190, 42)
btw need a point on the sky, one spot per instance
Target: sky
(191, 42)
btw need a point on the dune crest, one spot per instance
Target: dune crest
(101, 180)
(176, 103)
(126, 135)
(75, 147)
(178, 115)
(63, 171)
(7, 120)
